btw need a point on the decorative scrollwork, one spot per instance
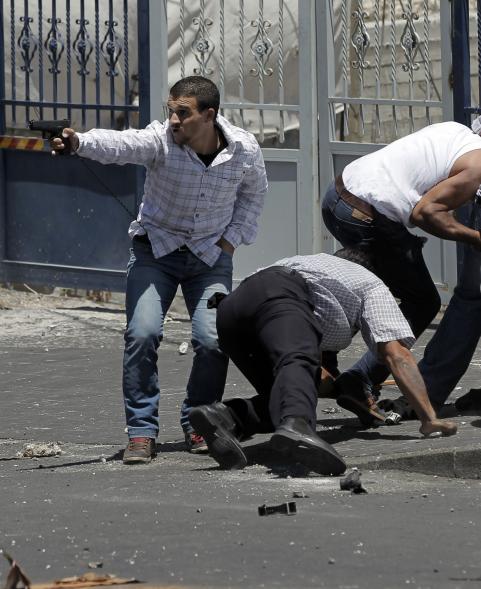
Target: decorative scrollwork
(261, 48)
(410, 42)
(360, 40)
(111, 48)
(54, 45)
(82, 47)
(202, 46)
(28, 44)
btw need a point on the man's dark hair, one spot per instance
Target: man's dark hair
(358, 256)
(204, 90)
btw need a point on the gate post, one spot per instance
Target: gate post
(143, 24)
(3, 237)
(461, 66)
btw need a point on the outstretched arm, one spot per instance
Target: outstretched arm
(404, 369)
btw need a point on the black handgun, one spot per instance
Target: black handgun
(51, 130)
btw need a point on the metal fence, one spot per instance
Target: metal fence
(70, 59)
(389, 74)
(250, 49)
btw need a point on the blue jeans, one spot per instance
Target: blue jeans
(398, 261)
(151, 287)
(448, 354)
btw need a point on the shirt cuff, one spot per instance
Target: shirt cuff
(232, 236)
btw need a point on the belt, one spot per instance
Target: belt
(145, 239)
(364, 209)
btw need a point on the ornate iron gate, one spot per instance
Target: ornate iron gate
(385, 69)
(64, 220)
(367, 70)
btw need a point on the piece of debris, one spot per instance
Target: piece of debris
(85, 580)
(37, 450)
(15, 577)
(288, 508)
(352, 482)
(299, 495)
(184, 346)
(95, 565)
(400, 406)
(330, 410)
(392, 418)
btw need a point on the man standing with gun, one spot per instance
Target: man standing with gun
(203, 193)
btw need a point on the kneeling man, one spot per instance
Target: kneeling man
(273, 327)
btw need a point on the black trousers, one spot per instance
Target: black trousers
(268, 328)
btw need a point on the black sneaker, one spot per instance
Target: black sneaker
(195, 443)
(298, 442)
(139, 451)
(217, 426)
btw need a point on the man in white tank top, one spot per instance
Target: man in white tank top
(416, 181)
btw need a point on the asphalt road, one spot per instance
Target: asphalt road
(181, 522)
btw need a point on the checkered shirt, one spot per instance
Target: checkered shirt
(185, 202)
(348, 298)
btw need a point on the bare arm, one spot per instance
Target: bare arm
(433, 213)
(404, 369)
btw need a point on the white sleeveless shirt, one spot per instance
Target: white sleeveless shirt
(394, 178)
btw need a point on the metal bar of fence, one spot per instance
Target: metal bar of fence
(54, 69)
(241, 58)
(461, 69)
(143, 24)
(392, 37)
(84, 106)
(26, 61)
(126, 62)
(13, 67)
(97, 61)
(386, 101)
(49, 266)
(68, 26)
(112, 73)
(478, 14)
(260, 76)
(40, 54)
(222, 50)
(280, 68)
(2, 72)
(82, 68)
(427, 58)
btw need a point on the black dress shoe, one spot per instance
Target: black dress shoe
(217, 426)
(296, 440)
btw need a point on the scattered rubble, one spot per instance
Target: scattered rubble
(288, 508)
(352, 482)
(40, 450)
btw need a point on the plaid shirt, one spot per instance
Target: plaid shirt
(348, 298)
(185, 202)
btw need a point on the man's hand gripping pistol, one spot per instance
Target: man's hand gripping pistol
(62, 139)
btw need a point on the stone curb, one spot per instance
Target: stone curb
(462, 463)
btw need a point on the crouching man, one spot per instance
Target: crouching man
(273, 327)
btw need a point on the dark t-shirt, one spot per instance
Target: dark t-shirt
(208, 158)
